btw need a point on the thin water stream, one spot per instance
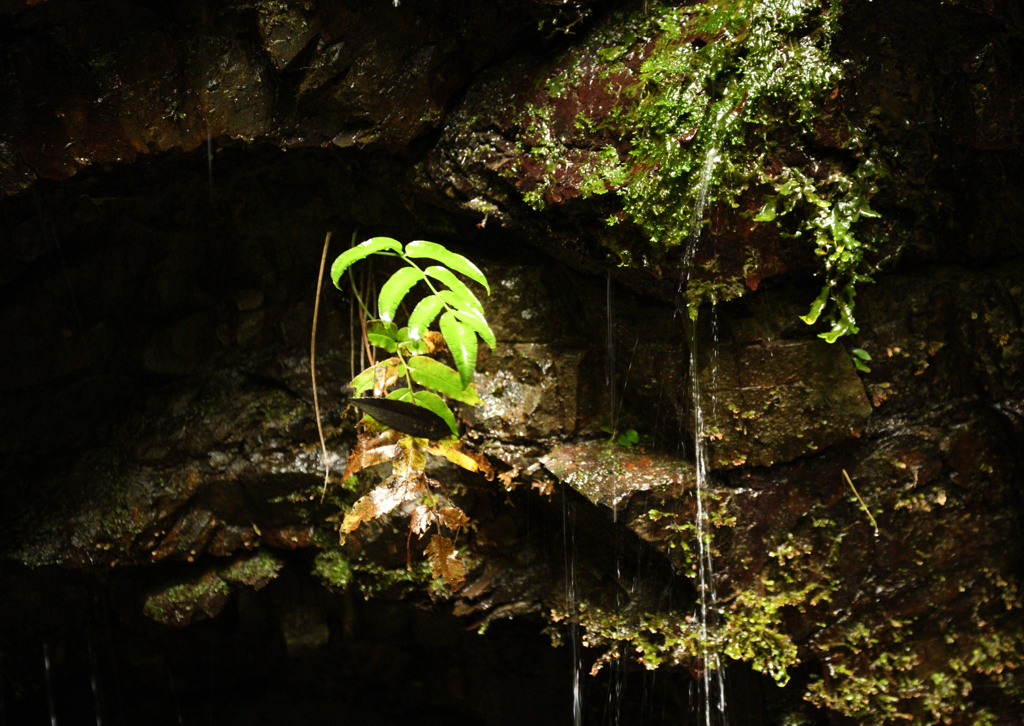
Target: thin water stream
(713, 675)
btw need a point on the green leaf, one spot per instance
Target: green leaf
(861, 366)
(432, 402)
(462, 297)
(424, 314)
(383, 334)
(632, 436)
(400, 394)
(434, 251)
(395, 289)
(767, 213)
(439, 377)
(479, 325)
(861, 353)
(461, 341)
(350, 256)
(363, 382)
(816, 307)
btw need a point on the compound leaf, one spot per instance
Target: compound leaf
(461, 341)
(396, 288)
(434, 251)
(350, 256)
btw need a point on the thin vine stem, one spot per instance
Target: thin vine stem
(312, 367)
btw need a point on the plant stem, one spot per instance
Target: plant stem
(312, 366)
(862, 504)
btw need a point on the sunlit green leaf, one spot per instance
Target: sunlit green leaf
(461, 342)
(395, 289)
(479, 325)
(360, 251)
(458, 303)
(424, 314)
(461, 296)
(434, 251)
(439, 377)
(400, 394)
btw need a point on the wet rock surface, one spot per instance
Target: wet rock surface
(160, 460)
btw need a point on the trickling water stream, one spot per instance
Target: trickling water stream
(713, 676)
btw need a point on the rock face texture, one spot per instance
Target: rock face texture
(657, 193)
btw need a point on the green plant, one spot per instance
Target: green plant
(627, 438)
(390, 428)
(860, 359)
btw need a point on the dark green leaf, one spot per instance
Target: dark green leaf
(461, 342)
(461, 297)
(433, 402)
(434, 251)
(424, 314)
(415, 419)
(395, 289)
(360, 251)
(439, 377)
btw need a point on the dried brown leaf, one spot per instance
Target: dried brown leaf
(434, 341)
(544, 486)
(444, 562)
(453, 517)
(456, 452)
(506, 478)
(370, 450)
(385, 375)
(421, 519)
(392, 492)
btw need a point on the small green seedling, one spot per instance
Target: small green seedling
(626, 439)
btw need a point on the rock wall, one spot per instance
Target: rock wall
(169, 174)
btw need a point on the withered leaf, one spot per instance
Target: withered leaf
(453, 517)
(434, 341)
(370, 450)
(506, 478)
(421, 519)
(392, 492)
(385, 377)
(444, 562)
(456, 452)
